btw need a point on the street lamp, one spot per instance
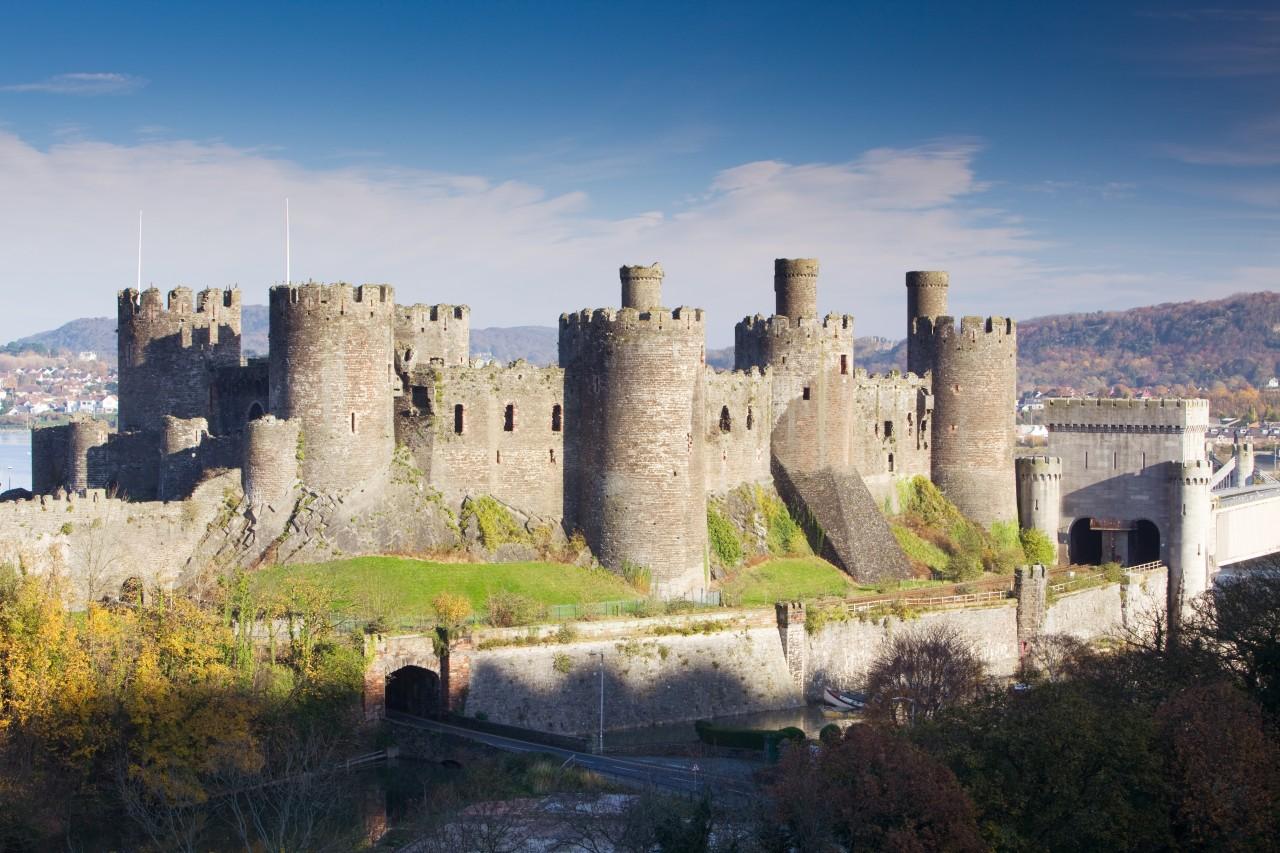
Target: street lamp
(601, 738)
(10, 486)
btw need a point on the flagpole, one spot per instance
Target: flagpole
(286, 242)
(139, 250)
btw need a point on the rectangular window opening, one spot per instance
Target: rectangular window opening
(353, 423)
(806, 392)
(509, 419)
(888, 429)
(457, 419)
(557, 418)
(844, 364)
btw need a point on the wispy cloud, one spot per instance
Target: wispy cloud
(1218, 42)
(1255, 143)
(81, 83)
(517, 253)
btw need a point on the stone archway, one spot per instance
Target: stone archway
(413, 690)
(1084, 544)
(1144, 543)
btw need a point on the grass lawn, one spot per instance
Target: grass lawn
(787, 579)
(398, 586)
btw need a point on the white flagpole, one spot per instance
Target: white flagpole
(139, 250)
(286, 242)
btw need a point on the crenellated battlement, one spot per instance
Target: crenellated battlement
(972, 328)
(833, 325)
(893, 377)
(420, 314)
(1074, 414)
(1039, 468)
(676, 320)
(209, 304)
(1194, 473)
(377, 299)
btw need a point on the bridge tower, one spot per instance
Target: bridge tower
(1190, 532)
(1243, 475)
(1040, 495)
(635, 417)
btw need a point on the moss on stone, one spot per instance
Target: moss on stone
(494, 522)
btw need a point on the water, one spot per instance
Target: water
(808, 718)
(15, 459)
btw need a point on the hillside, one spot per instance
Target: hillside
(1234, 340)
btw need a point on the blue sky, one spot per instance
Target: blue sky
(1053, 156)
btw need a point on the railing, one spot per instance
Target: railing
(932, 602)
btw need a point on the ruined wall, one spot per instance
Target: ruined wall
(97, 543)
(432, 334)
(472, 452)
(841, 653)
(974, 395)
(50, 451)
(739, 425)
(635, 410)
(890, 427)
(331, 369)
(169, 353)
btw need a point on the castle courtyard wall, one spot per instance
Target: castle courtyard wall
(739, 428)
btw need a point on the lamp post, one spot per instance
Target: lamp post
(10, 486)
(600, 742)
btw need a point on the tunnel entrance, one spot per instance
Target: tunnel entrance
(1144, 543)
(413, 690)
(1084, 544)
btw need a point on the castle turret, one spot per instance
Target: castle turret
(169, 352)
(1243, 474)
(1040, 495)
(641, 287)
(926, 298)
(1191, 525)
(60, 455)
(795, 287)
(974, 385)
(634, 420)
(270, 465)
(331, 370)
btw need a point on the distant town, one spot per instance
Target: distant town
(37, 390)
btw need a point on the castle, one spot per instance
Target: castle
(623, 440)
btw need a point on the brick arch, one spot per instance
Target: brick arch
(394, 654)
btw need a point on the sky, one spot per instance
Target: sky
(1053, 157)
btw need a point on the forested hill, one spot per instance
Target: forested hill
(1177, 343)
(1190, 344)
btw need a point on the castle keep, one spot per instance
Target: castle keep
(624, 440)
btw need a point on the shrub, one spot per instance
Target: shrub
(921, 672)
(640, 577)
(962, 567)
(566, 633)
(507, 609)
(562, 663)
(785, 536)
(919, 550)
(1038, 547)
(452, 610)
(494, 522)
(1112, 572)
(723, 536)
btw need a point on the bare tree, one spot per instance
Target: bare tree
(921, 672)
(1051, 657)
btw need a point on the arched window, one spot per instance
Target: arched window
(890, 463)
(726, 422)
(750, 418)
(509, 418)
(255, 411)
(457, 419)
(557, 418)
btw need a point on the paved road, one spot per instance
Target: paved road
(667, 774)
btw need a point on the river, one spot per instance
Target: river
(15, 459)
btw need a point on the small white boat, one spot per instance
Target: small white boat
(844, 701)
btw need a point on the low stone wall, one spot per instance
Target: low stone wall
(647, 681)
(1089, 613)
(842, 652)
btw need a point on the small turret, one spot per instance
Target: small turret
(1040, 495)
(641, 287)
(795, 286)
(926, 298)
(1190, 525)
(1243, 475)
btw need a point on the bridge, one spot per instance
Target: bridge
(1246, 522)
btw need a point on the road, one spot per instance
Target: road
(678, 776)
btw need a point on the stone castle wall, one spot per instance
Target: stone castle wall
(432, 334)
(739, 428)
(239, 394)
(926, 300)
(481, 449)
(890, 425)
(167, 352)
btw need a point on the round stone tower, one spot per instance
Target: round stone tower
(168, 353)
(331, 369)
(641, 287)
(635, 418)
(974, 396)
(1190, 529)
(82, 436)
(1040, 495)
(270, 464)
(926, 297)
(795, 287)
